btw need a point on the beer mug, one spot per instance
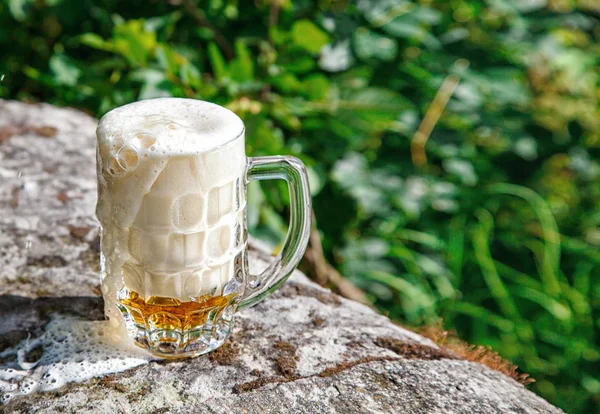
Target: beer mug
(172, 177)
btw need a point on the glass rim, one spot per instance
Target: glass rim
(202, 117)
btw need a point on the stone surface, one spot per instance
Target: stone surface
(303, 350)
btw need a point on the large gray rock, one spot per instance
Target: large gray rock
(304, 350)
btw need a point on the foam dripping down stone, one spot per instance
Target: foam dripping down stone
(72, 350)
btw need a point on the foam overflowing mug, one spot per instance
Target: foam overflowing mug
(172, 177)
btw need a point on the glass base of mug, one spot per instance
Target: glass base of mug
(169, 328)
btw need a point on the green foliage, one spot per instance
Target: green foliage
(307, 36)
(497, 233)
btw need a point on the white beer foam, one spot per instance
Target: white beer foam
(173, 126)
(73, 351)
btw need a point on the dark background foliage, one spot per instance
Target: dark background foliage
(452, 145)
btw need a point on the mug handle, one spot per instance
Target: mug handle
(292, 170)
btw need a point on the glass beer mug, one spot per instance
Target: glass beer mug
(172, 177)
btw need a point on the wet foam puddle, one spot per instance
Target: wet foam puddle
(69, 350)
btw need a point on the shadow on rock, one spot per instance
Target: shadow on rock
(22, 317)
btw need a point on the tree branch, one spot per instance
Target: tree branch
(433, 114)
(202, 21)
(325, 274)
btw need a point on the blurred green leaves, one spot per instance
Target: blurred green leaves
(64, 70)
(18, 8)
(308, 36)
(370, 45)
(130, 39)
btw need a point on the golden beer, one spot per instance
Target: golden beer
(175, 324)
